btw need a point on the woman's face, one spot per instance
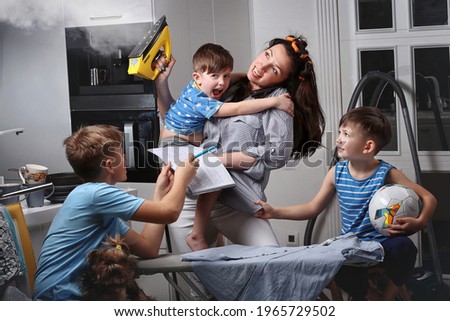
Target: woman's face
(270, 68)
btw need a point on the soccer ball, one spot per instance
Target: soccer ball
(390, 202)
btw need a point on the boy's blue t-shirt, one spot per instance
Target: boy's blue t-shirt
(89, 213)
(188, 114)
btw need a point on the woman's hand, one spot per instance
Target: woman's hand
(164, 182)
(266, 210)
(285, 103)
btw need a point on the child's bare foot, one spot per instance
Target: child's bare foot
(196, 243)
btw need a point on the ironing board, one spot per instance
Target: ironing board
(275, 273)
(169, 265)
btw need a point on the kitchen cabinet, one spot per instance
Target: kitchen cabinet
(79, 13)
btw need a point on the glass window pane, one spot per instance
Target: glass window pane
(376, 93)
(374, 14)
(429, 13)
(432, 68)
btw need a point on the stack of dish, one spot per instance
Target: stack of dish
(9, 188)
(64, 183)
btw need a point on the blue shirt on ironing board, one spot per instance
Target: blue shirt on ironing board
(354, 197)
(189, 113)
(89, 213)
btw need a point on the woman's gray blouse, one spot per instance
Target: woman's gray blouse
(267, 136)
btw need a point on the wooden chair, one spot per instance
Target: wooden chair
(15, 210)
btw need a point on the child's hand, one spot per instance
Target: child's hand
(404, 226)
(284, 103)
(164, 182)
(164, 65)
(265, 212)
(187, 169)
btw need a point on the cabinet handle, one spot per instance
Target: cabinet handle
(129, 144)
(105, 17)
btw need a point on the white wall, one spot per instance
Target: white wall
(288, 186)
(278, 19)
(2, 27)
(195, 22)
(34, 95)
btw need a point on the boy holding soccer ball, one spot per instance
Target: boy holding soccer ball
(363, 132)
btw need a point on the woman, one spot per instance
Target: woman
(253, 145)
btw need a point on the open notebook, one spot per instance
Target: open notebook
(211, 174)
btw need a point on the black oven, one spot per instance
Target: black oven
(102, 92)
(141, 130)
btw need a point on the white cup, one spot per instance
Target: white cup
(33, 174)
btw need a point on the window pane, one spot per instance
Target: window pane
(376, 93)
(438, 183)
(374, 14)
(432, 68)
(429, 13)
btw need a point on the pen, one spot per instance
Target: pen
(205, 151)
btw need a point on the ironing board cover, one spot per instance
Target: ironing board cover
(274, 273)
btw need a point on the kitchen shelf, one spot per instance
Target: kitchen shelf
(111, 89)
